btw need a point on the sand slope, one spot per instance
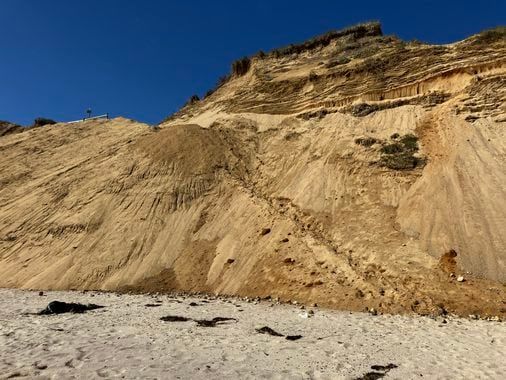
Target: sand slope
(298, 179)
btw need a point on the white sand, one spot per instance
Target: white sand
(128, 340)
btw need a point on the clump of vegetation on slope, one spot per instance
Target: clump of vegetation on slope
(193, 99)
(399, 155)
(366, 141)
(241, 66)
(490, 36)
(7, 128)
(371, 29)
(41, 121)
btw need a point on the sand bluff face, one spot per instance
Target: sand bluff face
(279, 146)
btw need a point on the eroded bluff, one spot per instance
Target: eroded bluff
(354, 170)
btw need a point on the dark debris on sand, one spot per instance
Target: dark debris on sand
(379, 371)
(269, 331)
(200, 322)
(59, 307)
(213, 322)
(175, 318)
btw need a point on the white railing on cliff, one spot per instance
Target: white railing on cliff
(105, 116)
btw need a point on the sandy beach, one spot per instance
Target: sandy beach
(127, 339)
(333, 208)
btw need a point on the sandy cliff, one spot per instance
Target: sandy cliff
(346, 171)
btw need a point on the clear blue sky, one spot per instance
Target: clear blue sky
(143, 59)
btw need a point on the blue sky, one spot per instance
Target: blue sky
(143, 59)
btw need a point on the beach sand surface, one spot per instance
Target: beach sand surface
(127, 339)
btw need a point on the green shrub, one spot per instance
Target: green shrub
(193, 99)
(363, 109)
(410, 142)
(41, 121)
(392, 148)
(490, 36)
(370, 29)
(399, 155)
(241, 66)
(402, 161)
(366, 141)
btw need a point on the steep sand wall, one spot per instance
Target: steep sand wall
(351, 186)
(288, 209)
(458, 203)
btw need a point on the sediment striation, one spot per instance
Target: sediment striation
(341, 171)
